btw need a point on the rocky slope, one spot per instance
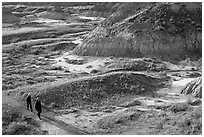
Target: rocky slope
(195, 88)
(169, 31)
(8, 16)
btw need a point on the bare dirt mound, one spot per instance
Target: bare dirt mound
(194, 88)
(102, 9)
(8, 17)
(168, 31)
(53, 13)
(106, 89)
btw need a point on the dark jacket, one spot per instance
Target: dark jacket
(38, 106)
(29, 99)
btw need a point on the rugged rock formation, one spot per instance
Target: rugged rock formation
(170, 31)
(8, 17)
(195, 88)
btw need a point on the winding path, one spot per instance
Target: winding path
(53, 126)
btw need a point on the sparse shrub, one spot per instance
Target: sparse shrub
(66, 71)
(57, 68)
(54, 105)
(111, 57)
(13, 123)
(136, 65)
(45, 132)
(89, 66)
(134, 88)
(197, 113)
(131, 103)
(162, 107)
(75, 61)
(195, 102)
(114, 119)
(47, 56)
(94, 71)
(8, 86)
(31, 82)
(179, 107)
(9, 117)
(52, 36)
(191, 123)
(107, 62)
(84, 73)
(17, 128)
(30, 121)
(161, 123)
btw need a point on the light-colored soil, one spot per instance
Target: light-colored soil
(93, 95)
(90, 64)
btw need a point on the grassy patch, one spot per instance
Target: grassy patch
(112, 120)
(188, 122)
(15, 123)
(99, 90)
(137, 65)
(184, 122)
(179, 107)
(131, 103)
(191, 123)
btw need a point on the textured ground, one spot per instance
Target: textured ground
(93, 94)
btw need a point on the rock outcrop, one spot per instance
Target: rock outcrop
(194, 88)
(169, 31)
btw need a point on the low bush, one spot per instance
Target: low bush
(17, 128)
(95, 71)
(131, 103)
(192, 122)
(29, 120)
(195, 102)
(120, 118)
(179, 107)
(56, 68)
(15, 123)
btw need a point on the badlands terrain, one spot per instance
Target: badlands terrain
(102, 68)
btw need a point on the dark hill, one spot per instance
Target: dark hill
(169, 31)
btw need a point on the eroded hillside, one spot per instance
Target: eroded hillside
(102, 68)
(169, 31)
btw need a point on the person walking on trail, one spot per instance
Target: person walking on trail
(38, 107)
(29, 104)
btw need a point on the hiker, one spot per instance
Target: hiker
(29, 104)
(38, 107)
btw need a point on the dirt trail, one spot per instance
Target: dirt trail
(54, 127)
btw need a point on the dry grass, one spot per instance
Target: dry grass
(142, 64)
(131, 103)
(15, 123)
(177, 107)
(114, 120)
(99, 90)
(183, 122)
(192, 122)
